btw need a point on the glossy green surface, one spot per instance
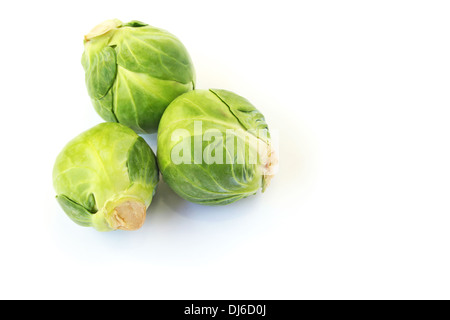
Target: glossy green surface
(101, 168)
(196, 156)
(133, 71)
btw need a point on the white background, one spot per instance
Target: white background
(358, 92)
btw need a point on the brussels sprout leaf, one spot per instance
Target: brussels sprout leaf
(141, 162)
(247, 115)
(135, 24)
(159, 54)
(76, 212)
(104, 107)
(101, 71)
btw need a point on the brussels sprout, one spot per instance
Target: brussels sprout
(133, 71)
(106, 177)
(214, 147)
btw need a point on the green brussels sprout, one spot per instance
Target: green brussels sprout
(106, 177)
(133, 71)
(214, 147)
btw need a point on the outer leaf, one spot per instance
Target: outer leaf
(140, 100)
(212, 184)
(104, 107)
(100, 68)
(135, 24)
(155, 52)
(76, 212)
(249, 117)
(141, 163)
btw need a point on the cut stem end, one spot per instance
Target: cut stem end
(270, 167)
(103, 28)
(129, 215)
